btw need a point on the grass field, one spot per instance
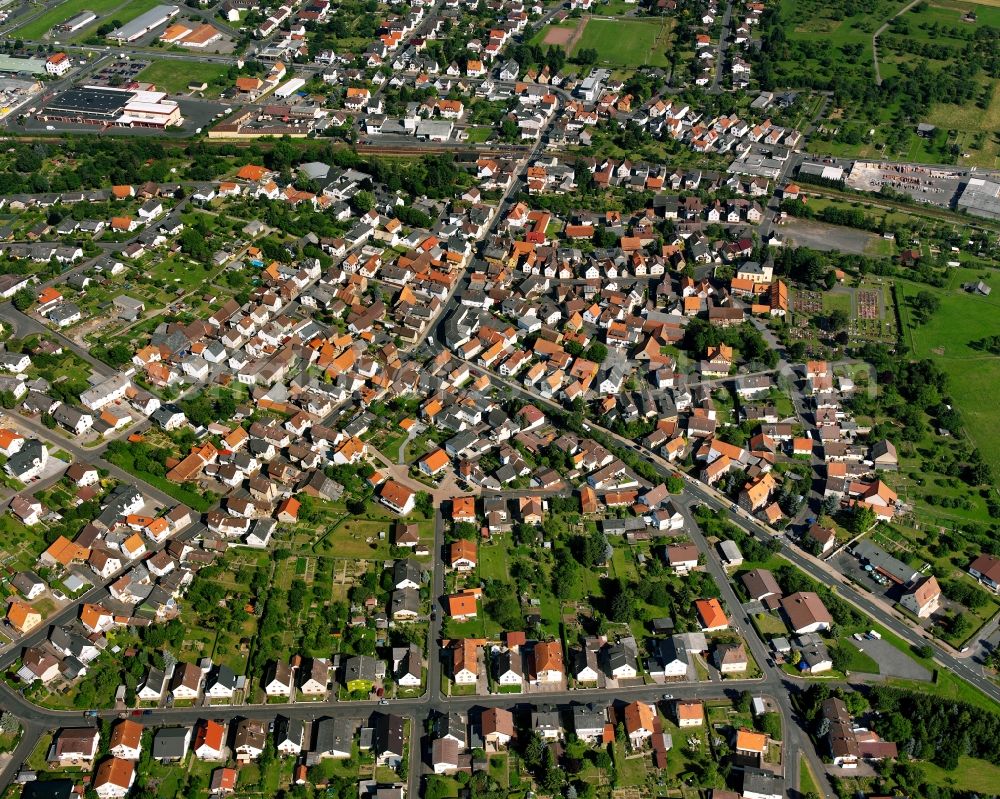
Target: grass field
(932, 33)
(973, 375)
(860, 661)
(619, 43)
(627, 43)
(974, 126)
(38, 27)
(971, 775)
(174, 76)
(132, 9)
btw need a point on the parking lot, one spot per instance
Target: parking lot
(118, 73)
(851, 567)
(925, 184)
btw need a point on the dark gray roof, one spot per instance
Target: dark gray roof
(171, 742)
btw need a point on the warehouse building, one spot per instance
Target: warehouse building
(80, 21)
(99, 105)
(980, 197)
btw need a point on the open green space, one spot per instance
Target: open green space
(38, 27)
(629, 43)
(631, 770)
(20, 545)
(972, 774)
(173, 75)
(945, 338)
(933, 62)
(133, 8)
(618, 43)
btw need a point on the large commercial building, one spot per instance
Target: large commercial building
(22, 66)
(99, 105)
(144, 23)
(981, 197)
(81, 20)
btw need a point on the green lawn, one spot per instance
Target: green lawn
(860, 661)
(357, 538)
(948, 686)
(479, 133)
(498, 769)
(836, 301)
(631, 771)
(807, 784)
(62, 12)
(627, 43)
(494, 559)
(173, 76)
(770, 624)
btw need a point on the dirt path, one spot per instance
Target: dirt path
(879, 32)
(577, 35)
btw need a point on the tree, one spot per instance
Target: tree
(424, 504)
(897, 727)
(770, 724)
(533, 752)
(23, 299)
(566, 581)
(363, 201)
(924, 304)
(861, 519)
(622, 606)
(838, 319)
(552, 775)
(597, 352)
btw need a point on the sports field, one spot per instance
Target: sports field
(38, 27)
(618, 42)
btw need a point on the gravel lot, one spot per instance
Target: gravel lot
(892, 662)
(819, 236)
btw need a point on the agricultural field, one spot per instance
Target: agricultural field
(975, 130)
(173, 76)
